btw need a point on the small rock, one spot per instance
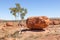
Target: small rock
(9, 24)
(55, 22)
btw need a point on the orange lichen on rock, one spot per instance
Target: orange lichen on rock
(37, 22)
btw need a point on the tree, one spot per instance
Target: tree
(13, 11)
(21, 11)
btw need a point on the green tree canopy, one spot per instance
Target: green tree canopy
(18, 10)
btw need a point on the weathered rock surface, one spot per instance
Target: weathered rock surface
(37, 22)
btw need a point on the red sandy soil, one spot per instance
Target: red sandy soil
(52, 32)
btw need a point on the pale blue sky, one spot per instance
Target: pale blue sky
(50, 8)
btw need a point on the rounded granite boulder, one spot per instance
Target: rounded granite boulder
(38, 22)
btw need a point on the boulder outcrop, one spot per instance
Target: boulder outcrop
(37, 22)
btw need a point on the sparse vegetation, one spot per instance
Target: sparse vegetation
(18, 10)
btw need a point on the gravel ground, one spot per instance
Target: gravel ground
(52, 32)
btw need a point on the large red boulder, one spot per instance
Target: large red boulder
(37, 22)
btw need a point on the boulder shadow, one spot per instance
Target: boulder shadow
(34, 30)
